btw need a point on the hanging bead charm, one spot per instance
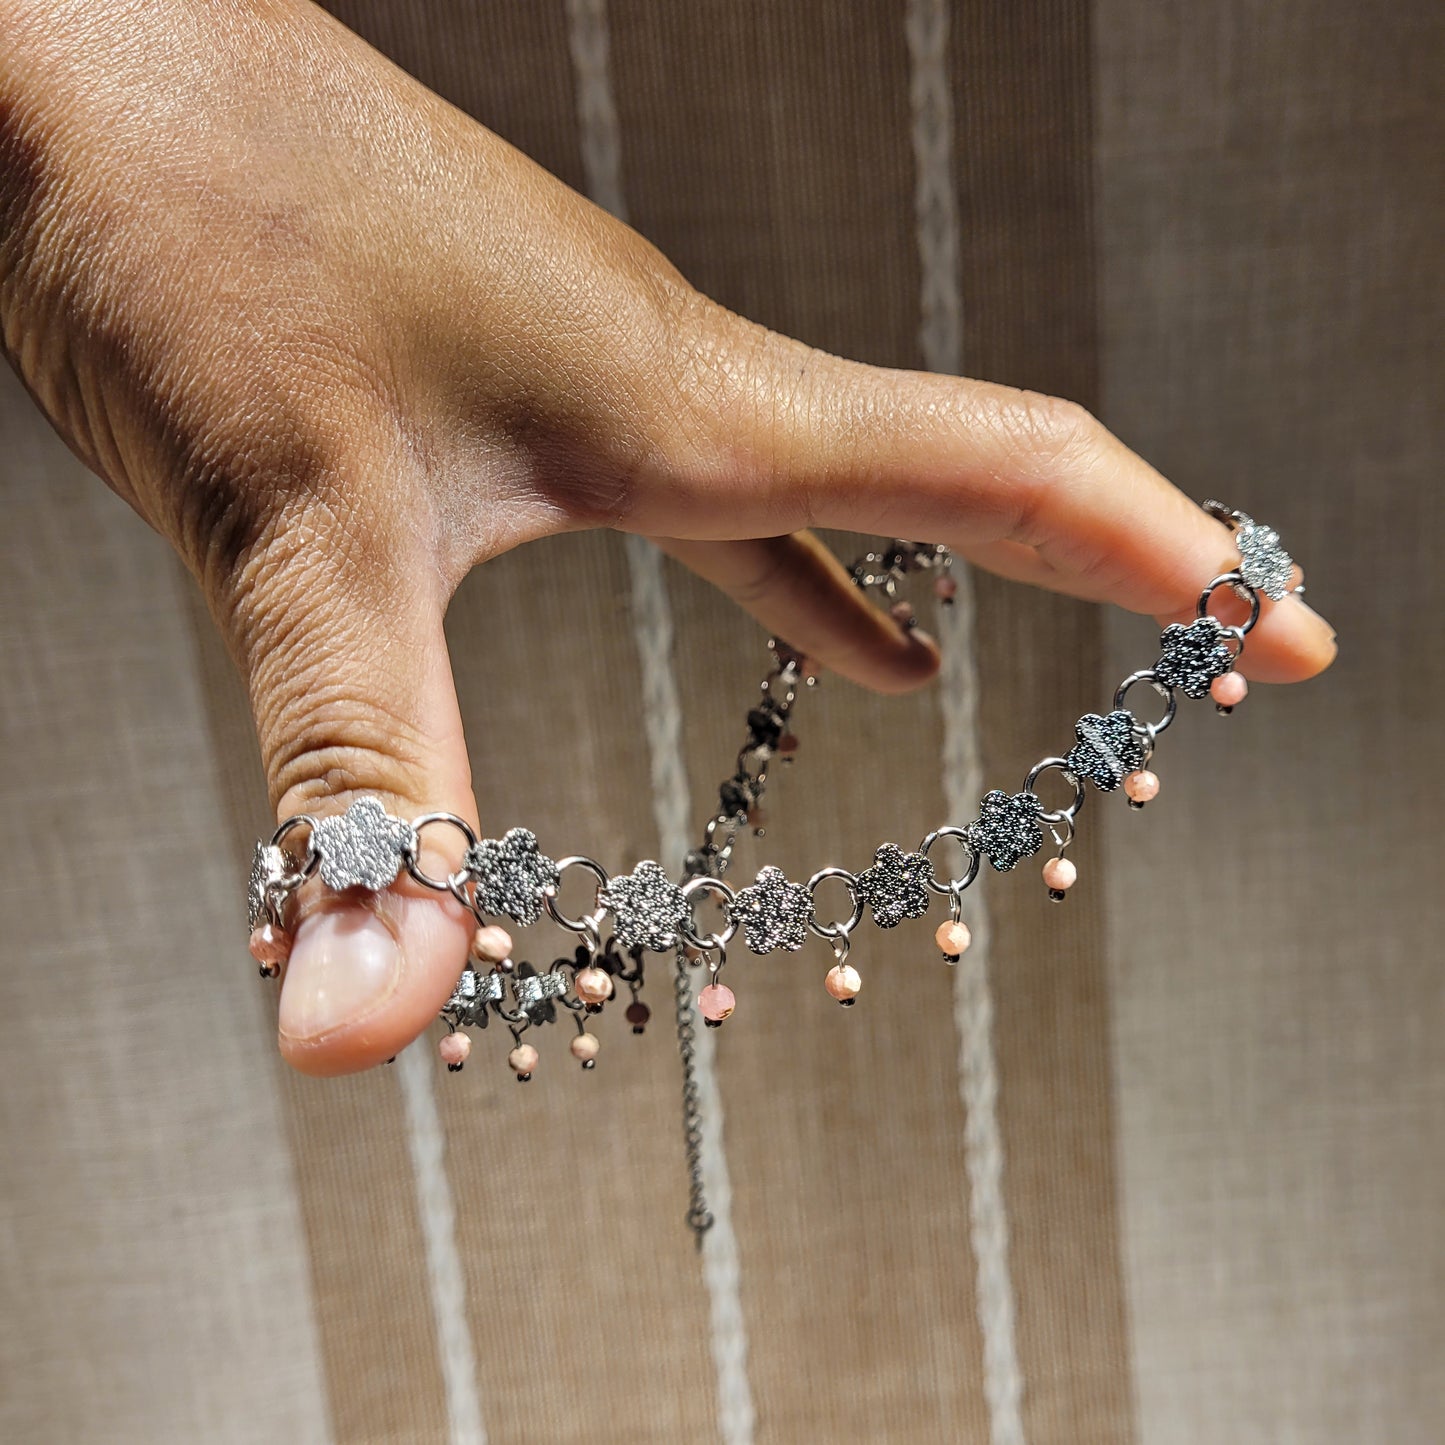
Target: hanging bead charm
(585, 1047)
(717, 1001)
(1059, 872)
(455, 1048)
(843, 981)
(1141, 786)
(1228, 692)
(523, 1058)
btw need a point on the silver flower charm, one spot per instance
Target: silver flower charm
(1108, 748)
(511, 874)
(896, 886)
(268, 867)
(772, 912)
(647, 907)
(1193, 656)
(1008, 829)
(1264, 564)
(534, 993)
(364, 847)
(471, 1000)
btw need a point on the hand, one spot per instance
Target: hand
(339, 344)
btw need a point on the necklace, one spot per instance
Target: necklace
(646, 910)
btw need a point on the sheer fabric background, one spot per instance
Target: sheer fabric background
(1220, 1078)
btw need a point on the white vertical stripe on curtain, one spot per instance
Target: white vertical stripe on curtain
(941, 341)
(446, 1282)
(662, 710)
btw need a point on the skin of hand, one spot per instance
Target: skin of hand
(339, 344)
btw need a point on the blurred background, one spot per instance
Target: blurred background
(1206, 1174)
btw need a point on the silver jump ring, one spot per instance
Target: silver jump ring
(586, 926)
(1171, 703)
(311, 862)
(835, 930)
(1240, 588)
(954, 885)
(411, 853)
(708, 941)
(1071, 811)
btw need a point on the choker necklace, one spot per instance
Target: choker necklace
(646, 910)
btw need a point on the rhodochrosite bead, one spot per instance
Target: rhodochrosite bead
(455, 1050)
(843, 982)
(491, 944)
(270, 947)
(716, 1003)
(1060, 873)
(1229, 690)
(953, 939)
(1141, 786)
(594, 985)
(523, 1059)
(585, 1048)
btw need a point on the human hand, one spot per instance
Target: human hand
(339, 344)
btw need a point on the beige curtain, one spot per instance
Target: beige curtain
(1219, 1067)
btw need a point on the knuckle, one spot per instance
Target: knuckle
(328, 742)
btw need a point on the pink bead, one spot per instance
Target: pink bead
(491, 944)
(1060, 873)
(1229, 690)
(716, 1002)
(585, 1047)
(523, 1059)
(1141, 786)
(455, 1049)
(952, 938)
(270, 947)
(902, 614)
(946, 588)
(843, 982)
(593, 985)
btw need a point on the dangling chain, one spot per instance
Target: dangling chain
(510, 877)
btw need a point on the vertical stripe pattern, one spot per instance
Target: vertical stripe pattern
(941, 342)
(416, 1066)
(662, 713)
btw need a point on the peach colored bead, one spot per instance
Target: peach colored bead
(455, 1049)
(1141, 786)
(1229, 690)
(843, 982)
(270, 947)
(946, 588)
(953, 938)
(593, 985)
(902, 614)
(491, 944)
(522, 1059)
(585, 1047)
(716, 1002)
(1060, 873)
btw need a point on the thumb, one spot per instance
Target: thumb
(352, 693)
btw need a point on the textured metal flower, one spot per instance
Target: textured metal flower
(1264, 564)
(1108, 748)
(1193, 655)
(472, 998)
(772, 912)
(364, 847)
(896, 886)
(1008, 829)
(269, 865)
(535, 991)
(647, 907)
(511, 874)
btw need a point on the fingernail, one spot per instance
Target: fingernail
(1311, 619)
(344, 964)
